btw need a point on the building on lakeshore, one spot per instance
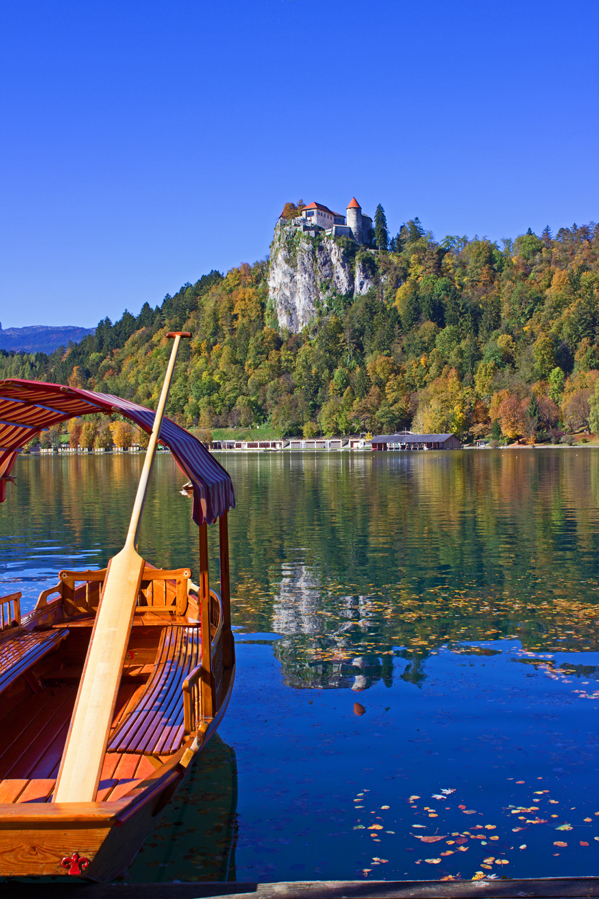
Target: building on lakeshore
(411, 442)
(354, 224)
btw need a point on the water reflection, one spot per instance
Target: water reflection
(197, 834)
(409, 624)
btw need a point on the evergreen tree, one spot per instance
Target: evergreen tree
(380, 229)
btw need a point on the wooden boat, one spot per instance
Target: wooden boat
(60, 813)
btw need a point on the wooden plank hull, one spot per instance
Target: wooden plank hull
(41, 838)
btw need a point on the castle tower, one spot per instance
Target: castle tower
(354, 219)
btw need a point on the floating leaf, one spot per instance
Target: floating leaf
(560, 843)
(582, 843)
(564, 827)
(375, 827)
(427, 839)
(433, 861)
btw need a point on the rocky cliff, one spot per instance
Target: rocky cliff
(307, 270)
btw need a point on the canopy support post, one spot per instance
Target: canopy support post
(204, 584)
(225, 589)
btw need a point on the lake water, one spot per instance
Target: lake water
(418, 657)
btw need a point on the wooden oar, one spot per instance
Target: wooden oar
(87, 739)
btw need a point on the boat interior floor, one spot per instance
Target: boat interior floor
(33, 739)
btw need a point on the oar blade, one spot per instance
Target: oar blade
(94, 707)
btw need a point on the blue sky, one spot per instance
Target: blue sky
(144, 144)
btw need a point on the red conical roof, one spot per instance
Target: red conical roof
(353, 204)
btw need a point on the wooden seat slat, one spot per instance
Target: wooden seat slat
(141, 717)
(165, 703)
(37, 791)
(17, 656)
(11, 789)
(156, 723)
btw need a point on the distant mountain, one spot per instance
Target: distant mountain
(41, 338)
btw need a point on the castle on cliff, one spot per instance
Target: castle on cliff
(355, 225)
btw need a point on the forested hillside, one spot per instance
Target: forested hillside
(461, 335)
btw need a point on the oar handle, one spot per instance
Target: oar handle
(142, 487)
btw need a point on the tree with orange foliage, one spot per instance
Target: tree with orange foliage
(74, 429)
(122, 434)
(291, 211)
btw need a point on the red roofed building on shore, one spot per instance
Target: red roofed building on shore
(354, 224)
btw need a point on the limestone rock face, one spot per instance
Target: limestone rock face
(305, 271)
(363, 279)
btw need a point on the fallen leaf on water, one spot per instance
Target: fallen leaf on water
(490, 827)
(523, 846)
(428, 839)
(461, 840)
(375, 827)
(588, 819)
(560, 843)
(470, 811)
(463, 848)
(582, 843)
(493, 838)
(564, 827)
(447, 877)
(433, 861)
(447, 852)
(359, 709)
(414, 797)
(385, 806)
(501, 861)
(480, 875)
(461, 806)
(359, 827)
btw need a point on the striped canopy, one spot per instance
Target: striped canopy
(28, 407)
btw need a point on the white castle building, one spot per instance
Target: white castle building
(354, 224)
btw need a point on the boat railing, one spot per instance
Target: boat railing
(193, 709)
(10, 610)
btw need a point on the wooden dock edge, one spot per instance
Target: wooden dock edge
(542, 888)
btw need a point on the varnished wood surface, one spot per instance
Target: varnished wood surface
(544, 888)
(89, 731)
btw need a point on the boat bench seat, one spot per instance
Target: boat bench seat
(17, 656)
(156, 724)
